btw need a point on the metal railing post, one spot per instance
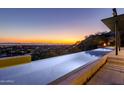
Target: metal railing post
(116, 33)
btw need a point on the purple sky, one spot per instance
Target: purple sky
(51, 25)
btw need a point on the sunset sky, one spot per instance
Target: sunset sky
(51, 26)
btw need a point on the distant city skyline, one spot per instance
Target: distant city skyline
(51, 26)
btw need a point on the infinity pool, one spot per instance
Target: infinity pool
(47, 70)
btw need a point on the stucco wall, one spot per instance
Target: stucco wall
(11, 61)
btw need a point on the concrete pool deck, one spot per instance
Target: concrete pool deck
(112, 73)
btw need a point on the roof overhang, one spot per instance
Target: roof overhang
(109, 22)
